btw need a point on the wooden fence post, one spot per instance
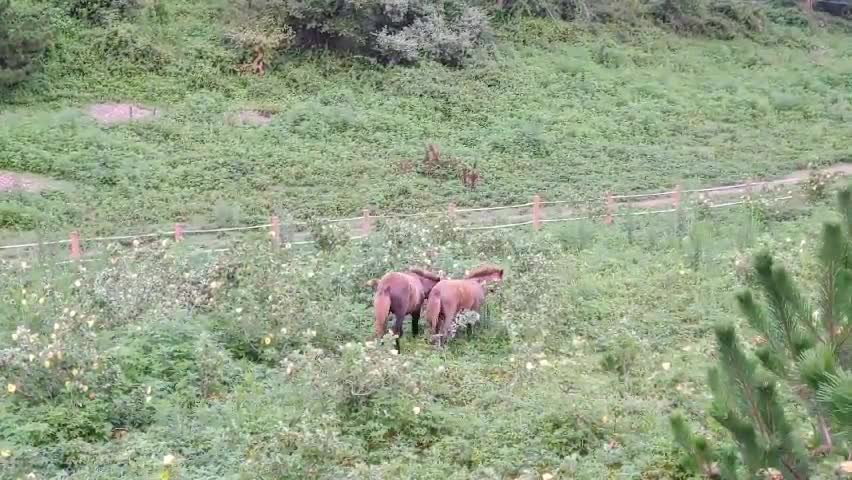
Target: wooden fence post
(275, 230)
(76, 250)
(536, 212)
(676, 197)
(610, 208)
(178, 232)
(365, 222)
(749, 190)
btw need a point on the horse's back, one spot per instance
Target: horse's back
(402, 289)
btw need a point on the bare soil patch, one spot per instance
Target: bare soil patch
(21, 182)
(120, 112)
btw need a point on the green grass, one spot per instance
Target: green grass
(614, 321)
(595, 310)
(561, 109)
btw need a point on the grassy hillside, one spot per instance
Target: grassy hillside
(567, 110)
(166, 362)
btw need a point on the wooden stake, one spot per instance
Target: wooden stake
(275, 230)
(536, 212)
(365, 222)
(76, 250)
(610, 208)
(178, 232)
(676, 197)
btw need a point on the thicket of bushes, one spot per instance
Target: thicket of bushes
(21, 44)
(389, 31)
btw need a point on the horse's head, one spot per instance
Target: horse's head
(427, 279)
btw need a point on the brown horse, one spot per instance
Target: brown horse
(449, 297)
(402, 293)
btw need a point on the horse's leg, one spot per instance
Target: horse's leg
(415, 319)
(449, 318)
(397, 327)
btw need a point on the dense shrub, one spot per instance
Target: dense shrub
(723, 19)
(21, 43)
(123, 43)
(101, 11)
(394, 32)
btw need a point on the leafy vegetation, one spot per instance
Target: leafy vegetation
(803, 344)
(254, 363)
(160, 360)
(568, 110)
(21, 45)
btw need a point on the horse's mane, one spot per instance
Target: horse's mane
(425, 274)
(484, 271)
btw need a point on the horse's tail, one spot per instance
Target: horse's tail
(382, 304)
(433, 310)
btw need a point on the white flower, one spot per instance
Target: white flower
(546, 476)
(416, 410)
(11, 388)
(169, 460)
(5, 453)
(530, 366)
(666, 365)
(78, 284)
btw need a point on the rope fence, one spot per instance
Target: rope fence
(653, 203)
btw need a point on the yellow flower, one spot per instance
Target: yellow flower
(267, 340)
(11, 388)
